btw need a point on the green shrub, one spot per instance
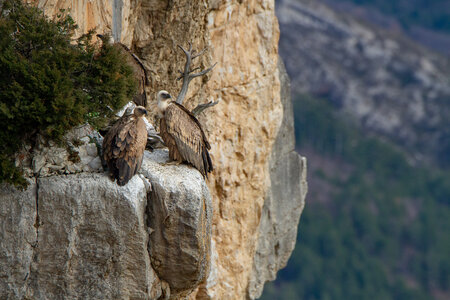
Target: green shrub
(51, 82)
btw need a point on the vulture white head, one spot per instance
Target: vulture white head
(164, 99)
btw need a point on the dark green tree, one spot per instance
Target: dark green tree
(51, 81)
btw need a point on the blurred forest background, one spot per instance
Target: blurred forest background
(376, 222)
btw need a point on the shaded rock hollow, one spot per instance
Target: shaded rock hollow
(244, 129)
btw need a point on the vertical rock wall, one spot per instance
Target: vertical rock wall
(242, 37)
(17, 239)
(284, 201)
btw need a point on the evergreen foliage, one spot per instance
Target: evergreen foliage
(50, 82)
(383, 232)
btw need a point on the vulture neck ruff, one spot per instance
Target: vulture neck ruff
(164, 100)
(163, 104)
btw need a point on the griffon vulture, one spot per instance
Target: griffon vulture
(183, 134)
(124, 145)
(140, 75)
(139, 71)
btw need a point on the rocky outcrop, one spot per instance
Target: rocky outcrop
(179, 219)
(92, 242)
(256, 171)
(78, 154)
(83, 236)
(389, 84)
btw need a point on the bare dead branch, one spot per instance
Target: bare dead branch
(155, 137)
(187, 75)
(154, 141)
(201, 107)
(198, 54)
(192, 71)
(203, 72)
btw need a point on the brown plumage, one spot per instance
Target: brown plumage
(140, 74)
(124, 145)
(139, 71)
(183, 135)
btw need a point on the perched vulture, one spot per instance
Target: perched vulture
(139, 71)
(124, 145)
(183, 134)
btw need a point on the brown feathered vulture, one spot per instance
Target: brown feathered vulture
(124, 145)
(183, 134)
(139, 71)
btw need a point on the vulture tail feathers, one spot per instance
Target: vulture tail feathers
(125, 172)
(207, 163)
(210, 165)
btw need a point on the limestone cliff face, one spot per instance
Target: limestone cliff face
(258, 185)
(81, 236)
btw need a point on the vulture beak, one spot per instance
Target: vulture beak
(145, 112)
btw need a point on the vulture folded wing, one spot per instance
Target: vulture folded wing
(123, 148)
(189, 137)
(169, 141)
(193, 118)
(139, 72)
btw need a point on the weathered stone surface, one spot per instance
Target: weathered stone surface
(17, 239)
(81, 236)
(179, 217)
(284, 202)
(92, 242)
(75, 156)
(243, 128)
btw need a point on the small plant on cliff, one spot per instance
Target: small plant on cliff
(51, 82)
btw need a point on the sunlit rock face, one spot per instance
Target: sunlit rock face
(254, 178)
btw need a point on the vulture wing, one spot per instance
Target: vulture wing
(187, 134)
(123, 148)
(140, 74)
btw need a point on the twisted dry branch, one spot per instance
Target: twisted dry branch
(187, 75)
(201, 107)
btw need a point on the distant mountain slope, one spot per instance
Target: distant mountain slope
(374, 227)
(392, 86)
(431, 14)
(416, 21)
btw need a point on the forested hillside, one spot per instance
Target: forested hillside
(372, 111)
(432, 14)
(374, 227)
